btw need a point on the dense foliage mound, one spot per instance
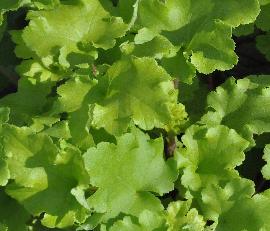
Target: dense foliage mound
(135, 115)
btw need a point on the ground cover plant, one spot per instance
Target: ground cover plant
(135, 115)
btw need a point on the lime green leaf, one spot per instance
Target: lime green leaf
(127, 225)
(252, 214)
(59, 130)
(137, 90)
(39, 123)
(210, 156)
(21, 50)
(71, 94)
(213, 49)
(167, 15)
(34, 69)
(73, 99)
(47, 29)
(91, 222)
(179, 68)
(92, 75)
(215, 199)
(236, 13)
(44, 176)
(157, 48)
(125, 9)
(203, 28)
(34, 94)
(79, 125)
(128, 10)
(45, 4)
(13, 217)
(181, 217)
(144, 35)
(137, 168)
(148, 221)
(178, 119)
(241, 105)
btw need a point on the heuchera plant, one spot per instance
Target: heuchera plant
(124, 115)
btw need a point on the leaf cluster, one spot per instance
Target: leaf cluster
(106, 122)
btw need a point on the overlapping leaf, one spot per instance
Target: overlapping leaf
(158, 48)
(136, 90)
(252, 214)
(126, 173)
(181, 217)
(34, 94)
(210, 156)
(59, 31)
(215, 200)
(203, 28)
(179, 68)
(93, 71)
(44, 175)
(242, 105)
(72, 94)
(148, 221)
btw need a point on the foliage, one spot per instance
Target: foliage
(109, 119)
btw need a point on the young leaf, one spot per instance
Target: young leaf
(137, 90)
